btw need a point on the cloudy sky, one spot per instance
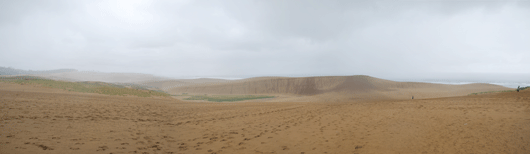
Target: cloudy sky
(387, 39)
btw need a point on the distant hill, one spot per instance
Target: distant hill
(103, 77)
(75, 75)
(12, 71)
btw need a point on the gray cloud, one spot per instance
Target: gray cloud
(387, 39)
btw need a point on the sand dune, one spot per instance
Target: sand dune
(349, 86)
(35, 120)
(172, 83)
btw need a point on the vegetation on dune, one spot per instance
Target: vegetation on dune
(487, 92)
(183, 94)
(85, 87)
(227, 98)
(523, 88)
(135, 86)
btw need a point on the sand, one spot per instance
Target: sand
(40, 120)
(173, 83)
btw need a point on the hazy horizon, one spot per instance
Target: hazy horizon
(508, 80)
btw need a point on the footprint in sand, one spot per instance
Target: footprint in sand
(102, 148)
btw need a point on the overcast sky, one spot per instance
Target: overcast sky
(387, 39)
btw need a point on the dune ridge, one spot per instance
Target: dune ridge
(349, 86)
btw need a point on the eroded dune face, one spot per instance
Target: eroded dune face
(352, 86)
(35, 120)
(169, 84)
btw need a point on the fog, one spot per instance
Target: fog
(399, 40)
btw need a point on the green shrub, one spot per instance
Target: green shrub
(487, 92)
(227, 98)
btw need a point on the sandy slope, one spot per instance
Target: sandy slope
(350, 87)
(168, 84)
(34, 121)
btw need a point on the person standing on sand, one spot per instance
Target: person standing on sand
(412, 97)
(518, 88)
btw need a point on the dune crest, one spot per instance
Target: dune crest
(352, 86)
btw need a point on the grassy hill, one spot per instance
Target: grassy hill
(12, 71)
(85, 87)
